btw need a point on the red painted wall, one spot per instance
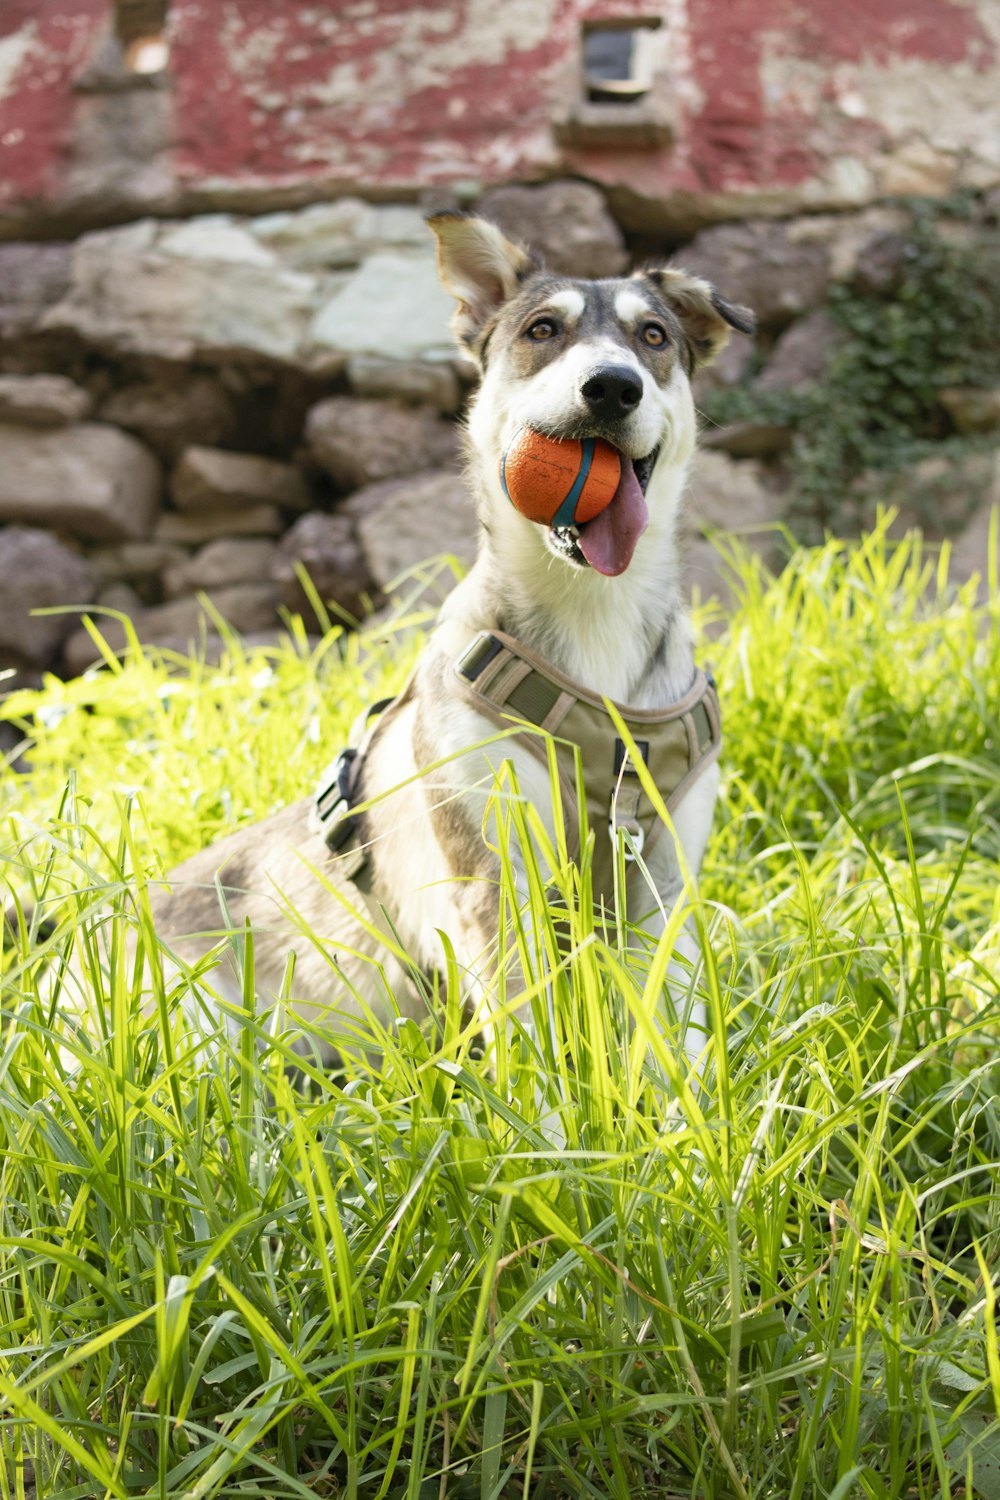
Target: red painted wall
(772, 97)
(43, 45)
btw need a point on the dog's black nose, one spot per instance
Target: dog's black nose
(612, 392)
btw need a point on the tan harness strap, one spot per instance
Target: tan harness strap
(523, 694)
(511, 684)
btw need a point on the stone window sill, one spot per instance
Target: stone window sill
(645, 122)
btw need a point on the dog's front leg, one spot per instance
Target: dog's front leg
(508, 997)
(519, 1005)
(536, 1015)
(653, 895)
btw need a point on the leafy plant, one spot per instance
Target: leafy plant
(877, 408)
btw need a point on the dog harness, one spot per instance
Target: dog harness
(509, 684)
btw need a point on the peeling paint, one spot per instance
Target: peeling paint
(14, 51)
(778, 103)
(43, 44)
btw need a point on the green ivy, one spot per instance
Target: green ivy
(876, 411)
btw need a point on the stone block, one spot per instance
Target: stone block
(204, 526)
(38, 572)
(739, 499)
(393, 301)
(705, 575)
(358, 442)
(566, 222)
(304, 290)
(725, 371)
(880, 264)
(802, 353)
(327, 548)
(411, 381)
(90, 480)
(212, 479)
(403, 522)
(749, 439)
(42, 400)
(846, 238)
(763, 265)
(170, 415)
(730, 495)
(203, 290)
(179, 625)
(139, 563)
(229, 560)
(339, 235)
(121, 597)
(917, 169)
(33, 278)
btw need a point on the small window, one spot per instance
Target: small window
(623, 97)
(616, 63)
(141, 28)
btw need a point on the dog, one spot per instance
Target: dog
(393, 853)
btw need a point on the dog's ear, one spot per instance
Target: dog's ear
(705, 317)
(479, 267)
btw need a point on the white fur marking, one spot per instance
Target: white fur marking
(569, 302)
(630, 307)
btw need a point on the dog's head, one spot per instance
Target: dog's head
(575, 359)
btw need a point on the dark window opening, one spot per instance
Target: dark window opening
(623, 99)
(617, 61)
(141, 27)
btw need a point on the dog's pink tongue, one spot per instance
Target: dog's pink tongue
(608, 541)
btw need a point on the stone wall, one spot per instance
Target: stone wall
(223, 347)
(199, 410)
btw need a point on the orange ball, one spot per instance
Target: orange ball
(559, 481)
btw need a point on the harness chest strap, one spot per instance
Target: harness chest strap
(509, 682)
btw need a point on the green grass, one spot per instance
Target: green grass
(219, 1281)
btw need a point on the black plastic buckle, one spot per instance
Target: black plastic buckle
(477, 657)
(622, 757)
(333, 800)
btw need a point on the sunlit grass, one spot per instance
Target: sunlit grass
(219, 1280)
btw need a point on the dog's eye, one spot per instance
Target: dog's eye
(653, 334)
(542, 328)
